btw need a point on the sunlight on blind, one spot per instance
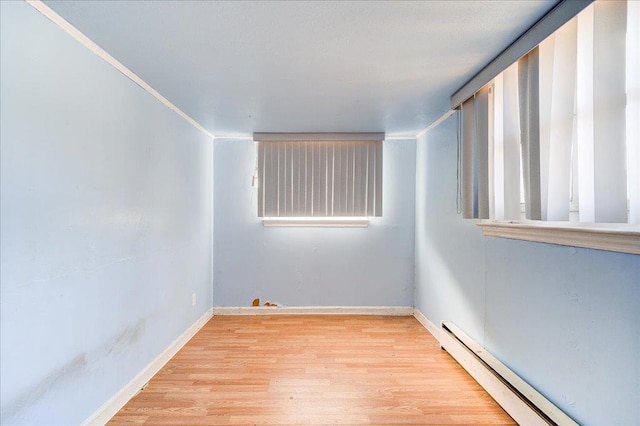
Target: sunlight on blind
(633, 110)
(320, 179)
(563, 123)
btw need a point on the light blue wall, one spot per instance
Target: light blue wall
(565, 319)
(312, 266)
(106, 225)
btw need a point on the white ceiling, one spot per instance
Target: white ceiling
(240, 67)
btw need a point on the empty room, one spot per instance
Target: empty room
(320, 212)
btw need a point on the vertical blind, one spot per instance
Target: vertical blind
(528, 89)
(558, 130)
(319, 178)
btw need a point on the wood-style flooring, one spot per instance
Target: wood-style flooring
(312, 370)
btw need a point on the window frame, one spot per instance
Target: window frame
(372, 207)
(617, 237)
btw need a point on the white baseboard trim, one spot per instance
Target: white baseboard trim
(508, 400)
(517, 409)
(109, 409)
(499, 391)
(426, 323)
(314, 310)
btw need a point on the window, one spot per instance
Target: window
(331, 177)
(559, 130)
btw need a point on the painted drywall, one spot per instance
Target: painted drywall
(565, 319)
(312, 266)
(106, 225)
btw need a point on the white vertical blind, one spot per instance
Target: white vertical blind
(609, 100)
(496, 150)
(319, 178)
(561, 13)
(511, 134)
(475, 156)
(482, 158)
(561, 127)
(633, 110)
(528, 89)
(545, 78)
(584, 100)
(561, 122)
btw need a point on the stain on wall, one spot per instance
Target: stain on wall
(55, 379)
(105, 225)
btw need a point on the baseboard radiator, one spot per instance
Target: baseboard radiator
(521, 401)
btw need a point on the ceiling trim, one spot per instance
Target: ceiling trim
(89, 44)
(400, 137)
(239, 137)
(434, 124)
(97, 50)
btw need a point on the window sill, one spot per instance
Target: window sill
(316, 222)
(622, 237)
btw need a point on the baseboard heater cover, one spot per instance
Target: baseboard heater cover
(520, 400)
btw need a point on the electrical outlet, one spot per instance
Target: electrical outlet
(193, 299)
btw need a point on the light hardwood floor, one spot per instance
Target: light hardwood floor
(308, 369)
